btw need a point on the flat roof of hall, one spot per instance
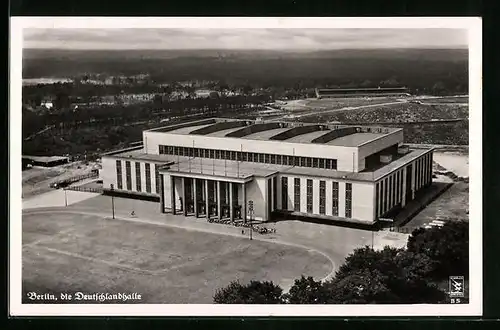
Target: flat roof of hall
(231, 169)
(292, 132)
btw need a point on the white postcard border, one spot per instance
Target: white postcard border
(474, 308)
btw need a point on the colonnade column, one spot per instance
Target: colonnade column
(172, 193)
(184, 209)
(244, 191)
(195, 198)
(206, 199)
(231, 205)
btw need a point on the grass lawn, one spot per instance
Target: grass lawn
(69, 253)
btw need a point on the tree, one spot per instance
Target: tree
(387, 276)
(447, 246)
(307, 291)
(363, 286)
(255, 292)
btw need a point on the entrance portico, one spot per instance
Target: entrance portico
(199, 195)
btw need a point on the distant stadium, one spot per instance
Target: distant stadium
(360, 92)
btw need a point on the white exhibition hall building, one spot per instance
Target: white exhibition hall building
(214, 167)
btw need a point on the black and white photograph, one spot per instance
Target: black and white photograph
(245, 166)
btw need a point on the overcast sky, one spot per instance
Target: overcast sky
(298, 39)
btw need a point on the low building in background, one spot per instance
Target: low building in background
(322, 93)
(45, 161)
(214, 167)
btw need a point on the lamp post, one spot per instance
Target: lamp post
(65, 198)
(112, 187)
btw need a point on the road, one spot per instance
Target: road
(318, 112)
(39, 132)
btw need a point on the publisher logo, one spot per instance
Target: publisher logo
(456, 286)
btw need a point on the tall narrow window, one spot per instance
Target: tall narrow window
(128, 175)
(296, 195)
(400, 185)
(396, 193)
(269, 194)
(377, 196)
(348, 200)
(138, 184)
(309, 196)
(390, 191)
(119, 178)
(382, 197)
(157, 178)
(335, 199)
(322, 197)
(275, 193)
(386, 195)
(284, 193)
(148, 178)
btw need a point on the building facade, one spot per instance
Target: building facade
(214, 167)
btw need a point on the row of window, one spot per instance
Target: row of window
(423, 171)
(138, 180)
(325, 163)
(389, 191)
(322, 196)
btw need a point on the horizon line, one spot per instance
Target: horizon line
(464, 47)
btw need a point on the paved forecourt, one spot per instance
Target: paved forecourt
(172, 259)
